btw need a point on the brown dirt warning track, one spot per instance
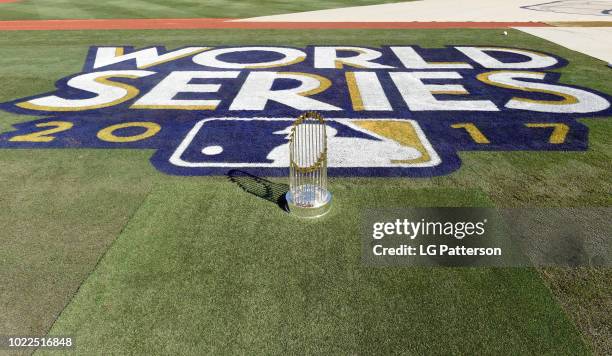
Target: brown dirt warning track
(221, 23)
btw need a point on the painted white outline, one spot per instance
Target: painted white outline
(176, 159)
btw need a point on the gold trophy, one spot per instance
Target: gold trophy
(308, 196)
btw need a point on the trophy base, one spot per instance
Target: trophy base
(309, 208)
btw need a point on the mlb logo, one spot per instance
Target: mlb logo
(217, 144)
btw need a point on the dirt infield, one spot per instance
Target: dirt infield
(581, 24)
(210, 23)
(455, 10)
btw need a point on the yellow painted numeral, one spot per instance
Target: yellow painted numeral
(473, 131)
(559, 132)
(108, 134)
(45, 135)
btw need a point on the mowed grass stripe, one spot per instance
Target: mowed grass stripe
(59, 213)
(58, 217)
(205, 267)
(84, 9)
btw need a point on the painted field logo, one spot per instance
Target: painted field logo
(392, 111)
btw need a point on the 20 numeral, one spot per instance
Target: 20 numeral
(44, 135)
(106, 134)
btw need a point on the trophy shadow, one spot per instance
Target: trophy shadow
(260, 187)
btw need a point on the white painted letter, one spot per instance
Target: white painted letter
(108, 93)
(257, 91)
(327, 57)
(209, 59)
(419, 96)
(145, 58)
(412, 60)
(573, 100)
(535, 59)
(366, 92)
(162, 95)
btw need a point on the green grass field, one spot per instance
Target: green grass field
(90, 9)
(99, 245)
